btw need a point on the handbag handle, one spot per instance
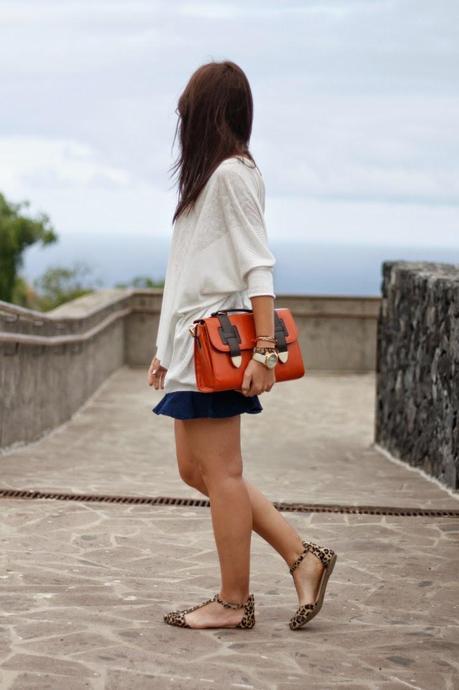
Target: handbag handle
(224, 311)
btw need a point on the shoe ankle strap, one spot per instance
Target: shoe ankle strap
(296, 563)
(228, 604)
(324, 554)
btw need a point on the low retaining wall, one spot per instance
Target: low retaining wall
(417, 367)
(51, 363)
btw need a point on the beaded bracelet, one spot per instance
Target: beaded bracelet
(265, 337)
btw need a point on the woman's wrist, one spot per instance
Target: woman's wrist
(261, 342)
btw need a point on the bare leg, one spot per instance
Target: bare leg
(267, 521)
(216, 447)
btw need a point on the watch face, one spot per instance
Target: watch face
(271, 360)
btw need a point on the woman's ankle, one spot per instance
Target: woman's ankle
(295, 552)
(234, 597)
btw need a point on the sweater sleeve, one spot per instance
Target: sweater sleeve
(163, 338)
(242, 207)
(164, 333)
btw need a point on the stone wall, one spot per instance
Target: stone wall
(50, 364)
(417, 367)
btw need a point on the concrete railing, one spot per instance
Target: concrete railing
(52, 362)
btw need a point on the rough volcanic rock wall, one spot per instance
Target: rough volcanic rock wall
(417, 367)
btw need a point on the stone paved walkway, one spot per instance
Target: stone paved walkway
(83, 586)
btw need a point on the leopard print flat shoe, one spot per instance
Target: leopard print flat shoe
(247, 621)
(328, 558)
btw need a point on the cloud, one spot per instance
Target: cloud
(377, 149)
(356, 102)
(272, 9)
(29, 162)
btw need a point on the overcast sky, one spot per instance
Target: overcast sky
(356, 111)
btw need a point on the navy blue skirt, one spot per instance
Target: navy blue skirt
(191, 404)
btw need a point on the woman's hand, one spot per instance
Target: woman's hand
(257, 378)
(156, 374)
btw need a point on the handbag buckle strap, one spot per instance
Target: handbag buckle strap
(229, 335)
(280, 333)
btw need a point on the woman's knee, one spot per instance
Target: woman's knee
(210, 450)
(211, 470)
(189, 474)
(187, 466)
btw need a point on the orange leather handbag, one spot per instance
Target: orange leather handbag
(223, 346)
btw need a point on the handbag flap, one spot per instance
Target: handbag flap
(244, 323)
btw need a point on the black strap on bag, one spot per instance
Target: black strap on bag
(230, 335)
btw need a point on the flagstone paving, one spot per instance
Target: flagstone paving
(84, 586)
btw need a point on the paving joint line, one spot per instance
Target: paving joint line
(35, 494)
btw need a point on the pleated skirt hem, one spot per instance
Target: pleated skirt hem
(194, 404)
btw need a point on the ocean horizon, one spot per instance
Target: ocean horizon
(304, 268)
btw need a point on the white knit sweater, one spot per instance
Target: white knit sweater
(219, 258)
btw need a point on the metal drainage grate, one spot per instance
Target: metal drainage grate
(32, 494)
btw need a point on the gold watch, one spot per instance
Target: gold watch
(267, 356)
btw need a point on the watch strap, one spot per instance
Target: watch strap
(259, 357)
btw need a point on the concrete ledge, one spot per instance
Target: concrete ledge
(50, 363)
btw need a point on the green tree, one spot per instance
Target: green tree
(142, 282)
(24, 295)
(17, 232)
(58, 285)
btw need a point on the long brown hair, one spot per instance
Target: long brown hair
(215, 113)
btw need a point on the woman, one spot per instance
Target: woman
(220, 259)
